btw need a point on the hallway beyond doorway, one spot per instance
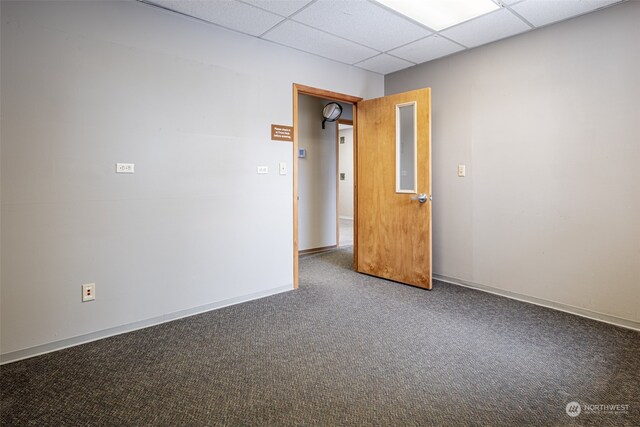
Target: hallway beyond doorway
(346, 232)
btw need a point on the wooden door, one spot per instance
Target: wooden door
(393, 222)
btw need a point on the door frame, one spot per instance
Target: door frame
(299, 89)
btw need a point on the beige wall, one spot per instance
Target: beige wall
(548, 124)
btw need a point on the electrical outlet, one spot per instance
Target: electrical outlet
(88, 292)
(462, 170)
(125, 168)
(263, 169)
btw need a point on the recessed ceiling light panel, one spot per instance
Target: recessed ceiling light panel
(441, 14)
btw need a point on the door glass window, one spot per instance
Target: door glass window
(406, 147)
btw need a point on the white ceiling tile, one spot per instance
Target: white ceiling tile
(363, 22)
(358, 31)
(281, 7)
(543, 12)
(310, 40)
(384, 64)
(426, 49)
(487, 28)
(227, 13)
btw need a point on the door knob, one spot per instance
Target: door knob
(422, 197)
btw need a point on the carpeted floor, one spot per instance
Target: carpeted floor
(344, 349)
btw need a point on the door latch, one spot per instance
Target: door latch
(422, 197)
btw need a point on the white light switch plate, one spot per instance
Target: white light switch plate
(125, 168)
(283, 168)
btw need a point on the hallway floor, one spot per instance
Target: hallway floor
(346, 232)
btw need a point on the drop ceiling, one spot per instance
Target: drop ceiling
(368, 35)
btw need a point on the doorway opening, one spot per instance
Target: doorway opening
(345, 156)
(305, 211)
(392, 184)
(318, 174)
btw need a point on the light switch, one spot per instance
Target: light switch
(283, 168)
(462, 170)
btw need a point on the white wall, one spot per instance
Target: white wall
(88, 84)
(345, 188)
(548, 126)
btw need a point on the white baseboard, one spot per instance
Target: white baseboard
(14, 356)
(348, 218)
(606, 318)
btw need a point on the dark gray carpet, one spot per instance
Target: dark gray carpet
(345, 349)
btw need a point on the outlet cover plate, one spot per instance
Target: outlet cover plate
(88, 292)
(125, 168)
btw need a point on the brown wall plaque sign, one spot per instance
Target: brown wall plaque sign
(281, 133)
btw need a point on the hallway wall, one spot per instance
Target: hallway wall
(345, 188)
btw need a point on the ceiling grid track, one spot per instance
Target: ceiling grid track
(368, 34)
